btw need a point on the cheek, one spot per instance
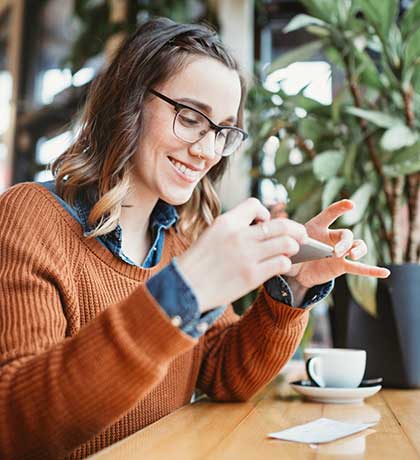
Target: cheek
(162, 133)
(157, 130)
(154, 144)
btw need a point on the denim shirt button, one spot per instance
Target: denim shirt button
(202, 327)
(176, 321)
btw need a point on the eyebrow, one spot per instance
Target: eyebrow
(204, 107)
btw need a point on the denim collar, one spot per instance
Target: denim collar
(164, 215)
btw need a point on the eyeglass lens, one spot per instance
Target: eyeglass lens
(190, 126)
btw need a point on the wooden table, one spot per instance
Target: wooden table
(237, 431)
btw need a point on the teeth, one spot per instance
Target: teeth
(181, 167)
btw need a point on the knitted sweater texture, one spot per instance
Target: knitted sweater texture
(88, 357)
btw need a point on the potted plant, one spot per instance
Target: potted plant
(365, 146)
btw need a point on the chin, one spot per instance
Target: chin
(176, 200)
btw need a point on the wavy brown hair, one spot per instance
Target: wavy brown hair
(98, 163)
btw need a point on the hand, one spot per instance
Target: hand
(316, 272)
(233, 257)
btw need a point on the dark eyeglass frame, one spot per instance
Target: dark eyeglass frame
(215, 127)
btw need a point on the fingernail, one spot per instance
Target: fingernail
(341, 247)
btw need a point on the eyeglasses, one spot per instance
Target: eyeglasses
(190, 125)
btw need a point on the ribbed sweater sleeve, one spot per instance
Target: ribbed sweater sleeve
(242, 355)
(56, 392)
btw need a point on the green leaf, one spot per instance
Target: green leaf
(310, 206)
(303, 20)
(331, 190)
(361, 198)
(388, 73)
(321, 32)
(299, 100)
(343, 10)
(397, 137)
(327, 164)
(411, 19)
(266, 127)
(326, 10)
(349, 162)
(363, 288)
(416, 79)
(412, 49)
(380, 119)
(368, 72)
(404, 161)
(407, 77)
(309, 128)
(282, 154)
(303, 190)
(301, 53)
(380, 14)
(363, 230)
(284, 173)
(334, 56)
(394, 46)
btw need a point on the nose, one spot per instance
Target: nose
(205, 147)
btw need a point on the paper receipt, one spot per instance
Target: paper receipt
(320, 431)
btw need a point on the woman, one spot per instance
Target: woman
(116, 278)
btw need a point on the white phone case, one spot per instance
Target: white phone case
(312, 250)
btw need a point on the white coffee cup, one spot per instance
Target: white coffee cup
(335, 367)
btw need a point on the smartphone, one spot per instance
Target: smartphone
(312, 250)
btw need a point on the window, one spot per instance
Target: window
(51, 95)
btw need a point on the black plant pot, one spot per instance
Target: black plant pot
(392, 339)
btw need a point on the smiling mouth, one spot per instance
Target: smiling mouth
(184, 169)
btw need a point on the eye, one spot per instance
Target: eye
(188, 121)
(189, 118)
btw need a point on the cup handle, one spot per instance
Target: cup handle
(311, 369)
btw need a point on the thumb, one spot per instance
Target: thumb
(250, 210)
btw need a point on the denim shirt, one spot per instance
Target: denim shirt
(168, 286)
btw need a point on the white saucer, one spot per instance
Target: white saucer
(334, 395)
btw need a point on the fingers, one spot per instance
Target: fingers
(274, 266)
(279, 227)
(283, 245)
(346, 245)
(329, 215)
(278, 210)
(248, 211)
(357, 268)
(358, 250)
(344, 238)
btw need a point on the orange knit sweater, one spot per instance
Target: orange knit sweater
(87, 356)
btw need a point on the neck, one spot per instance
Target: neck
(136, 210)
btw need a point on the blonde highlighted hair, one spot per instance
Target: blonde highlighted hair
(98, 163)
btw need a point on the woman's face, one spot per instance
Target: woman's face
(204, 84)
